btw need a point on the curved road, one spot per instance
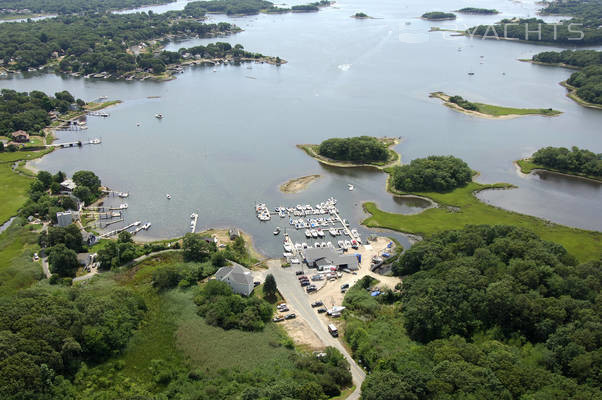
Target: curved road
(288, 285)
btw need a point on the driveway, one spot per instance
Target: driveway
(294, 294)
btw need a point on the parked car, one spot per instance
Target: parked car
(304, 283)
(281, 306)
(302, 277)
(317, 277)
(36, 257)
(295, 261)
(317, 304)
(311, 289)
(290, 316)
(278, 319)
(298, 272)
(322, 310)
(256, 283)
(345, 286)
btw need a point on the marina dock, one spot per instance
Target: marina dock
(322, 224)
(195, 219)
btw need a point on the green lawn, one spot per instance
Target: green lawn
(498, 111)
(13, 192)
(465, 209)
(17, 269)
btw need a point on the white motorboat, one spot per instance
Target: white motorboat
(123, 206)
(146, 226)
(307, 233)
(159, 116)
(354, 233)
(277, 231)
(95, 141)
(314, 233)
(347, 244)
(333, 231)
(168, 196)
(320, 233)
(341, 244)
(123, 195)
(288, 248)
(350, 186)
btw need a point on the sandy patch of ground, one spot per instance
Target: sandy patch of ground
(301, 333)
(330, 292)
(296, 185)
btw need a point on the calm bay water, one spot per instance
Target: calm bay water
(228, 137)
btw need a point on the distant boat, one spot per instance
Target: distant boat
(95, 141)
(276, 231)
(123, 195)
(159, 116)
(350, 186)
(471, 73)
(123, 206)
(137, 123)
(214, 70)
(168, 196)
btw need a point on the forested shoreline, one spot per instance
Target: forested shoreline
(587, 80)
(485, 312)
(581, 29)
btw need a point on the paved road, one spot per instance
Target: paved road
(294, 294)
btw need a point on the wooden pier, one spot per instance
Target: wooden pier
(195, 219)
(117, 231)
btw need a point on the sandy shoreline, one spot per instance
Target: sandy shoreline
(297, 185)
(445, 98)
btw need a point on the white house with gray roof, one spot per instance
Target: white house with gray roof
(238, 277)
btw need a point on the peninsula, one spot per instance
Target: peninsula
(575, 162)
(362, 151)
(489, 111)
(458, 206)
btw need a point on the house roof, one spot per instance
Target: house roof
(68, 184)
(316, 253)
(19, 133)
(237, 274)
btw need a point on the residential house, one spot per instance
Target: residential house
(20, 136)
(64, 218)
(68, 185)
(238, 277)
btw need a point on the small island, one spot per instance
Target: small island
(362, 151)
(297, 185)
(575, 162)
(439, 16)
(361, 15)
(478, 11)
(489, 111)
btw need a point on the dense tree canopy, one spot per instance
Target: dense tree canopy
(46, 334)
(73, 6)
(462, 102)
(475, 10)
(93, 43)
(438, 15)
(29, 111)
(434, 173)
(361, 149)
(220, 307)
(494, 312)
(574, 160)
